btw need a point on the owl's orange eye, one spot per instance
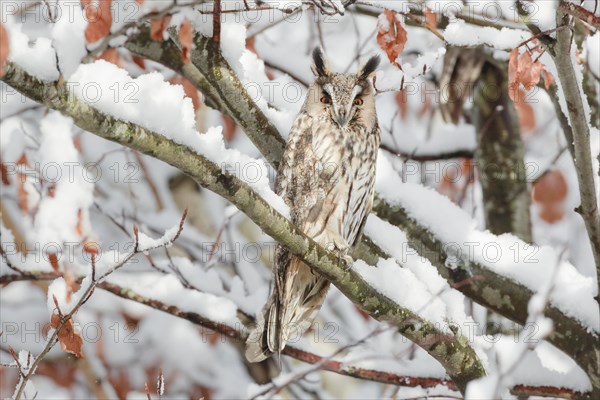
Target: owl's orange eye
(326, 100)
(358, 101)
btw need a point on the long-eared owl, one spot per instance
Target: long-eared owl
(326, 177)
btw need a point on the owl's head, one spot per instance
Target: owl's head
(346, 98)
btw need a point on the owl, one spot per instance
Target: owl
(326, 177)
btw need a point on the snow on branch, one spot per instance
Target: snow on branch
(217, 81)
(446, 236)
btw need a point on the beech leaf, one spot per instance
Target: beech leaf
(391, 35)
(4, 48)
(70, 341)
(99, 17)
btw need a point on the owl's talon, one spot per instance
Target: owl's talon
(349, 261)
(342, 252)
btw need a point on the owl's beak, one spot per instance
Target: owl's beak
(342, 117)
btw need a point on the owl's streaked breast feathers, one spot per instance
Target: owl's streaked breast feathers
(326, 177)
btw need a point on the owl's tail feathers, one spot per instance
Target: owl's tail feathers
(286, 319)
(261, 342)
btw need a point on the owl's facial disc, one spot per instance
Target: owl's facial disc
(343, 104)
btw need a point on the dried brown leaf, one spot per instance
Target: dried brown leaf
(4, 48)
(70, 341)
(525, 112)
(158, 26)
(402, 102)
(550, 188)
(4, 174)
(99, 17)
(53, 259)
(391, 35)
(112, 56)
(548, 78)
(529, 71)
(552, 213)
(522, 70)
(190, 90)
(91, 247)
(229, 128)
(139, 61)
(51, 190)
(430, 17)
(79, 226)
(186, 38)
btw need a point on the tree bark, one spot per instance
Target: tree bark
(500, 156)
(574, 97)
(499, 294)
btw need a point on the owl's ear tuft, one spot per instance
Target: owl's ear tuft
(370, 66)
(320, 65)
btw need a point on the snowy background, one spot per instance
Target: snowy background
(71, 198)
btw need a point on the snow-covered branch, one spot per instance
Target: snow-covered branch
(578, 114)
(210, 72)
(502, 294)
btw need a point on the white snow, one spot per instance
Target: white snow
(148, 100)
(424, 62)
(163, 108)
(505, 254)
(449, 302)
(592, 51)
(544, 15)
(38, 59)
(58, 217)
(168, 289)
(69, 39)
(147, 243)
(543, 366)
(58, 290)
(402, 287)
(459, 33)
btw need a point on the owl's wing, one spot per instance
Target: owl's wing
(293, 160)
(369, 205)
(301, 126)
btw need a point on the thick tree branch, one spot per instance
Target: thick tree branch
(580, 129)
(416, 10)
(500, 294)
(453, 351)
(581, 13)
(500, 156)
(212, 75)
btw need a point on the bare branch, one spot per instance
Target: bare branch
(580, 130)
(65, 318)
(581, 13)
